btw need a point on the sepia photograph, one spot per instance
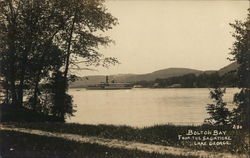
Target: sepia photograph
(124, 79)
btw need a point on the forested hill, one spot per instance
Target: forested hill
(231, 67)
(165, 73)
(160, 74)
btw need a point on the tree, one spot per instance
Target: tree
(79, 39)
(27, 29)
(241, 54)
(41, 40)
(7, 47)
(219, 114)
(62, 102)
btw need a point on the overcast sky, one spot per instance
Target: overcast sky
(159, 34)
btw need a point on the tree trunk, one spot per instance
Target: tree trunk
(13, 87)
(35, 95)
(6, 90)
(20, 91)
(69, 46)
(22, 76)
(12, 50)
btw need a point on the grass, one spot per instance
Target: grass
(160, 134)
(20, 145)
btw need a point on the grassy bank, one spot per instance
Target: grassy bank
(161, 134)
(20, 145)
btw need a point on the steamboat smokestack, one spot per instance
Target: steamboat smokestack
(107, 79)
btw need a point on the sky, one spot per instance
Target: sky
(159, 34)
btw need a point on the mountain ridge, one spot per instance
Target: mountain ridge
(161, 74)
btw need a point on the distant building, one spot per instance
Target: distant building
(137, 86)
(175, 86)
(156, 85)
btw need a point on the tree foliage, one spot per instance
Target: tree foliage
(240, 51)
(219, 113)
(204, 80)
(241, 54)
(41, 40)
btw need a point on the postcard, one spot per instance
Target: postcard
(124, 78)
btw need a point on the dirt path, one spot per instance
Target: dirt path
(115, 143)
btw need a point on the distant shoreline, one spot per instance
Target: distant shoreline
(159, 88)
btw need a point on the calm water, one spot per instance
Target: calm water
(143, 107)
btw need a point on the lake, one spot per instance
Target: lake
(141, 107)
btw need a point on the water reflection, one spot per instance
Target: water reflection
(143, 107)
